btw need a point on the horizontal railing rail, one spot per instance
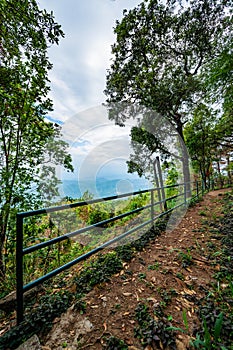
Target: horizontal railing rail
(21, 251)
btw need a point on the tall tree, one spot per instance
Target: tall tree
(199, 136)
(155, 136)
(159, 52)
(209, 141)
(27, 141)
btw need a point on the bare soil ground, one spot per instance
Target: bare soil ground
(171, 274)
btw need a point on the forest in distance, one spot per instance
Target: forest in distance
(171, 64)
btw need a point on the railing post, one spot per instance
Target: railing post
(197, 188)
(152, 204)
(185, 193)
(19, 268)
(202, 187)
(212, 184)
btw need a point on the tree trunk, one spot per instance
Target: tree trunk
(161, 183)
(157, 185)
(228, 169)
(185, 160)
(2, 262)
(4, 216)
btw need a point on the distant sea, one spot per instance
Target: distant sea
(102, 187)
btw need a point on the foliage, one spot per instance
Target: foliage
(38, 321)
(171, 179)
(125, 252)
(186, 258)
(218, 78)
(163, 74)
(152, 136)
(152, 332)
(114, 343)
(30, 146)
(98, 271)
(208, 141)
(215, 310)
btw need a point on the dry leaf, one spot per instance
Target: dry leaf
(149, 348)
(104, 299)
(161, 345)
(180, 345)
(94, 306)
(105, 326)
(188, 291)
(152, 299)
(2, 331)
(127, 294)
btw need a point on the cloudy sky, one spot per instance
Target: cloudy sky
(83, 56)
(78, 78)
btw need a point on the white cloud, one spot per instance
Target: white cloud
(78, 78)
(82, 57)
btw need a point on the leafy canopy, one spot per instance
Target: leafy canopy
(30, 147)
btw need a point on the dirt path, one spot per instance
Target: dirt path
(169, 277)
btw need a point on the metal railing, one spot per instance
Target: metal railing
(21, 251)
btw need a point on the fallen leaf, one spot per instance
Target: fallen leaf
(149, 348)
(188, 291)
(180, 345)
(127, 294)
(94, 306)
(161, 345)
(152, 299)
